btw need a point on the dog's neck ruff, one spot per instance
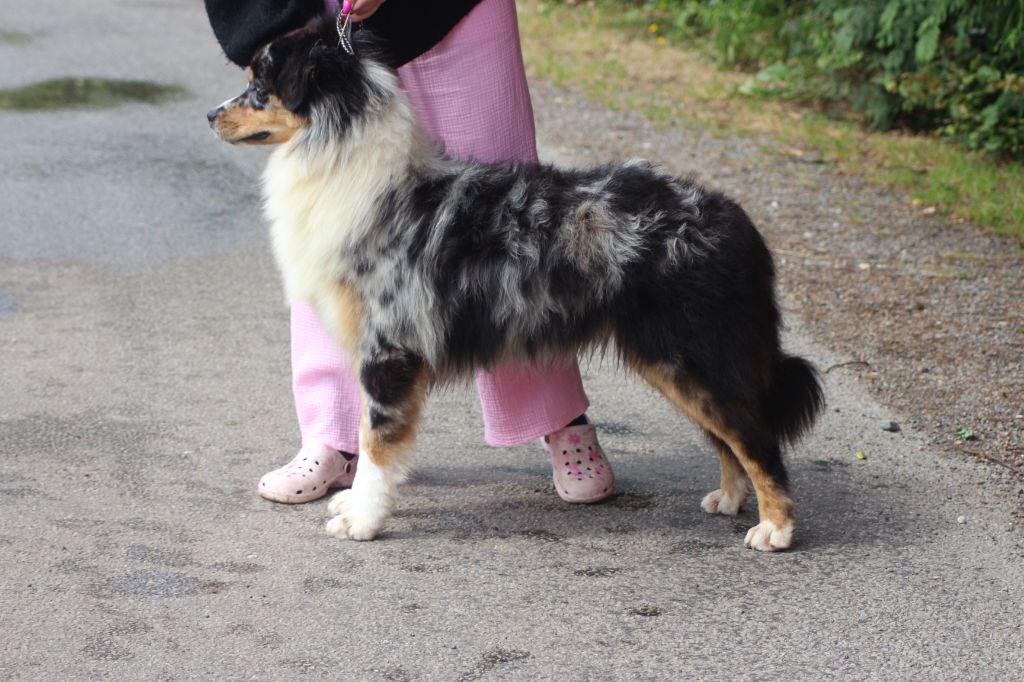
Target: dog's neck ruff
(322, 188)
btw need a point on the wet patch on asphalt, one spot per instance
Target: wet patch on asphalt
(17, 492)
(314, 585)
(76, 93)
(632, 501)
(311, 666)
(238, 567)
(15, 38)
(620, 529)
(155, 584)
(615, 428)
(827, 464)
(492, 659)
(741, 526)
(104, 648)
(694, 546)
(597, 572)
(396, 674)
(9, 304)
(532, 534)
(162, 557)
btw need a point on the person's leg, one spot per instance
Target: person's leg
(470, 94)
(473, 116)
(322, 375)
(327, 403)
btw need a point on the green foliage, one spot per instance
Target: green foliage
(952, 66)
(965, 433)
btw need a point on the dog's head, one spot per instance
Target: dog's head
(300, 81)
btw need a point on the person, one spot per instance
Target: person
(460, 62)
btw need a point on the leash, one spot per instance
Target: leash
(344, 25)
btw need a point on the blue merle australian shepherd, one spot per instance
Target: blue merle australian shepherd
(425, 268)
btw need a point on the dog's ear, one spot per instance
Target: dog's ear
(326, 70)
(298, 77)
(313, 63)
(293, 82)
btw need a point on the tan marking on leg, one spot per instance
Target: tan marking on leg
(734, 486)
(774, 504)
(734, 477)
(388, 443)
(362, 510)
(347, 307)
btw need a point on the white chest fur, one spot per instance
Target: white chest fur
(313, 213)
(321, 202)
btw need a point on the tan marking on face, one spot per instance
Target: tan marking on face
(238, 123)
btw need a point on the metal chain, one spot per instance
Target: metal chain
(344, 25)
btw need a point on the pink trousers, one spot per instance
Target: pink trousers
(469, 92)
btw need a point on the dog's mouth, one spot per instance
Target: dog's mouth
(255, 137)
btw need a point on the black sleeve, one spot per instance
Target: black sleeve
(408, 28)
(244, 26)
(411, 27)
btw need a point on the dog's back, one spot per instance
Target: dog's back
(532, 259)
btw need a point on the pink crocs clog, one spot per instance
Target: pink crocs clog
(309, 476)
(581, 472)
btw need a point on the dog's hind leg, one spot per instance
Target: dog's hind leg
(734, 487)
(395, 384)
(742, 430)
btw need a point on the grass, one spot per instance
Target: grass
(626, 63)
(69, 93)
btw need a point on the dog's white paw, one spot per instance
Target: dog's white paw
(720, 502)
(336, 505)
(360, 513)
(767, 537)
(354, 528)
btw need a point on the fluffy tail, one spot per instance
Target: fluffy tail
(795, 398)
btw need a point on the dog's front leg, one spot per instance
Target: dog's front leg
(394, 383)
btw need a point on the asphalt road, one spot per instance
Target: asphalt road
(144, 389)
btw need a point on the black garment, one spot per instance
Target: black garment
(408, 27)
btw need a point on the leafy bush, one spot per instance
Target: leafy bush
(953, 66)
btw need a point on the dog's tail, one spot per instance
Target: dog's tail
(795, 398)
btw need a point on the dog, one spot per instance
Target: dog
(425, 267)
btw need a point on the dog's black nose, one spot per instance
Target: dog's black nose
(212, 114)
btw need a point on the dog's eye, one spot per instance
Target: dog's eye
(258, 94)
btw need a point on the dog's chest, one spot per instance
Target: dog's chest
(315, 219)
